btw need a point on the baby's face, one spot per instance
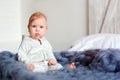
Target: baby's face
(38, 28)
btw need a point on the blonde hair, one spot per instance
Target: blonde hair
(35, 16)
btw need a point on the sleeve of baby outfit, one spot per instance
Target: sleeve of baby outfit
(22, 52)
(50, 52)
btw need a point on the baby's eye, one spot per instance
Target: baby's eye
(34, 26)
(41, 26)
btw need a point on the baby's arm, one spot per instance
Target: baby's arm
(31, 67)
(51, 58)
(52, 62)
(22, 54)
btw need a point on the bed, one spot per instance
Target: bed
(96, 57)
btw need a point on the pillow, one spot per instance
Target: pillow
(97, 41)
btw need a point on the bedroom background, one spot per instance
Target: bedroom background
(67, 20)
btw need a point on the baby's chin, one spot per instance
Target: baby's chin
(36, 37)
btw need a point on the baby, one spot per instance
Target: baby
(35, 51)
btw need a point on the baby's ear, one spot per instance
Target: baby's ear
(47, 27)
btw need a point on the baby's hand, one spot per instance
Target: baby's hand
(72, 66)
(31, 67)
(52, 62)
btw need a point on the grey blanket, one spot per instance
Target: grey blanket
(91, 65)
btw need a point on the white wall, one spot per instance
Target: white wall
(67, 20)
(10, 25)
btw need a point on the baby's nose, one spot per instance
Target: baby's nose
(37, 29)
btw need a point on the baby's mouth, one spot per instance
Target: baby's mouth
(37, 34)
